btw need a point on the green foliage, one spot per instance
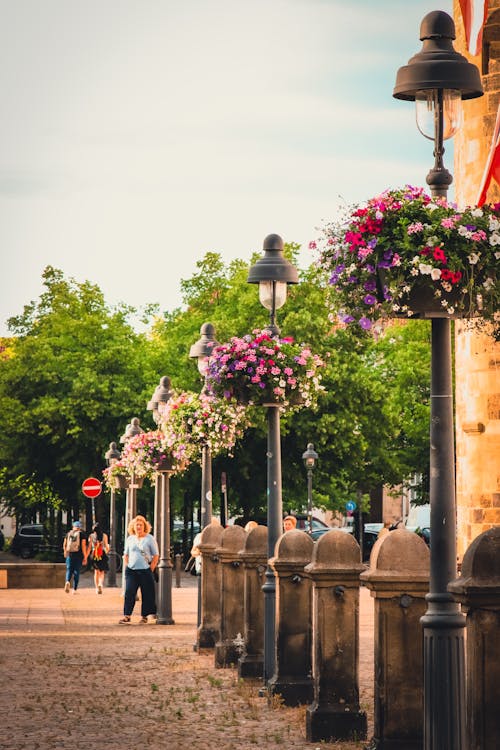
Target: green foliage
(77, 371)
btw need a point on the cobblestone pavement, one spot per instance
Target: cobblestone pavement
(73, 677)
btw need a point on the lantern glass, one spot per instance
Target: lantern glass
(427, 111)
(268, 289)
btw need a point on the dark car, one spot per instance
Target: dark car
(28, 540)
(369, 537)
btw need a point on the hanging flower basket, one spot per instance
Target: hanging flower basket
(165, 464)
(421, 300)
(262, 369)
(405, 254)
(189, 421)
(122, 482)
(144, 454)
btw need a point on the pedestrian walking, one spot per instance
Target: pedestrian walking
(99, 550)
(76, 554)
(140, 558)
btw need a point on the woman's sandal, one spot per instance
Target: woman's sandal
(143, 621)
(124, 621)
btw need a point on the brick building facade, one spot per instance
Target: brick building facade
(477, 357)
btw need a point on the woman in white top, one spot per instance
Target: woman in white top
(140, 558)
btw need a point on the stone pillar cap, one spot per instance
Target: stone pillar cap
(480, 573)
(294, 547)
(256, 542)
(211, 535)
(232, 541)
(398, 556)
(336, 551)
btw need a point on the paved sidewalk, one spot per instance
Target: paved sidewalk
(74, 676)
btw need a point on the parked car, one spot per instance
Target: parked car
(28, 540)
(317, 524)
(369, 537)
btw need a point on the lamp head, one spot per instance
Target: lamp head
(112, 455)
(132, 429)
(310, 456)
(203, 348)
(438, 65)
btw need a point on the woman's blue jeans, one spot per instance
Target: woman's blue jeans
(143, 580)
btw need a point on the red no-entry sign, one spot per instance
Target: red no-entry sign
(91, 487)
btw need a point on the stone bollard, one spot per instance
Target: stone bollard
(209, 629)
(293, 678)
(478, 590)
(335, 568)
(398, 579)
(227, 648)
(254, 559)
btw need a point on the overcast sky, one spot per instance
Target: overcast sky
(136, 135)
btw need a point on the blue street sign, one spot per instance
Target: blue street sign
(350, 505)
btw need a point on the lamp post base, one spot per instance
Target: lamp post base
(444, 670)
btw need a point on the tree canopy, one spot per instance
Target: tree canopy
(75, 371)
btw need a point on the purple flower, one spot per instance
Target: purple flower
(370, 268)
(370, 285)
(365, 323)
(384, 264)
(369, 299)
(346, 318)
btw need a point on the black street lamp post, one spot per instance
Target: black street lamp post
(164, 589)
(437, 79)
(159, 398)
(310, 457)
(273, 272)
(132, 429)
(201, 350)
(112, 456)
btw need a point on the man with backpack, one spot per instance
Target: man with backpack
(76, 554)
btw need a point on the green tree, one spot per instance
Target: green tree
(77, 373)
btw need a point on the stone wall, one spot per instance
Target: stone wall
(477, 356)
(32, 575)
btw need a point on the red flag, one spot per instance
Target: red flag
(474, 14)
(492, 168)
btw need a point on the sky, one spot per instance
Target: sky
(138, 135)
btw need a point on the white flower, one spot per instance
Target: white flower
(473, 258)
(495, 239)
(493, 224)
(477, 212)
(415, 259)
(379, 214)
(425, 268)
(489, 283)
(432, 206)
(414, 272)
(497, 255)
(435, 274)
(431, 241)
(451, 310)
